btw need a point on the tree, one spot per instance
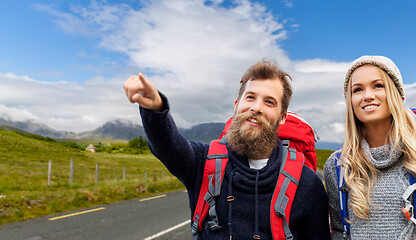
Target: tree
(136, 145)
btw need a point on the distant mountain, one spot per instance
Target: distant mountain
(327, 145)
(35, 128)
(124, 129)
(14, 129)
(204, 132)
(127, 130)
(117, 129)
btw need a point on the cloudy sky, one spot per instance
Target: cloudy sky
(63, 62)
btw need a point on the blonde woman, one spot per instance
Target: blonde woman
(378, 153)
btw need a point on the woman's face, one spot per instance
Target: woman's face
(369, 97)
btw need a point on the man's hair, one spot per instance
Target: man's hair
(268, 70)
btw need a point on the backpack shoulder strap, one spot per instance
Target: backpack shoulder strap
(342, 195)
(284, 193)
(214, 169)
(412, 180)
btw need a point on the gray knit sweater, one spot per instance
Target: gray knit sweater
(386, 221)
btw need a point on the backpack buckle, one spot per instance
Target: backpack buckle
(285, 143)
(409, 210)
(406, 213)
(213, 225)
(195, 225)
(345, 235)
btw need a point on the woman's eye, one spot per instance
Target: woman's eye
(379, 85)
(355, 90)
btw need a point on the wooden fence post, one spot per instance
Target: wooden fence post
(145, 176)
(96, 174)
(71, 171)
(49, 172)
(124, 173)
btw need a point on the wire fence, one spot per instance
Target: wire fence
(102, 173)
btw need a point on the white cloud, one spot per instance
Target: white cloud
(320, 66)
(16, 114)
(191, 47)
(194, 53)
(410, 91)
(62, 105)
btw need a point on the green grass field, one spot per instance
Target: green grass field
(24, 191)
(322, 156)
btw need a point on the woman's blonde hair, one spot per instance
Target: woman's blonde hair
(360, 174)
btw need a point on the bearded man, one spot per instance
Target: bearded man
(255, 155)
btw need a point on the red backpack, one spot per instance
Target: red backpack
(299, 143)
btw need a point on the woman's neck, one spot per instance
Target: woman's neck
(376, 134)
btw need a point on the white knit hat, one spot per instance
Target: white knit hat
(384, 63)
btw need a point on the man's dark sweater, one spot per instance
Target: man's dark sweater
(249, 213)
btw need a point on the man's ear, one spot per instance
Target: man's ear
(283, 119)
(235, 106)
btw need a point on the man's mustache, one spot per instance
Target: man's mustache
(244, 116)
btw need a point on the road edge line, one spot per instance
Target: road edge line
(77, 213)
(168, 230)
(151, 198)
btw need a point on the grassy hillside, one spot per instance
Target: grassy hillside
(322, 156)
(23, 177)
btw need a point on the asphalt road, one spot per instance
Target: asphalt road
(161, 217)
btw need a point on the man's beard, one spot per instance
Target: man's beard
(252, 141)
